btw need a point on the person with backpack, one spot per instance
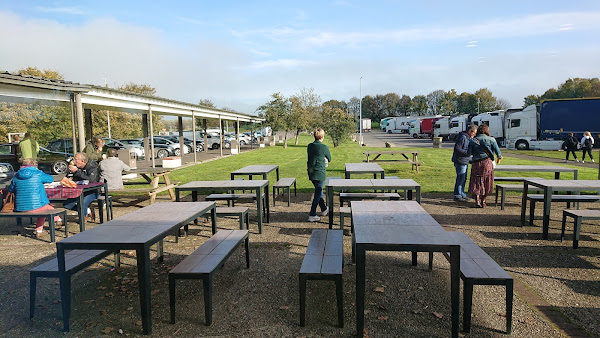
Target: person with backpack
(570, 146)
(587, 143)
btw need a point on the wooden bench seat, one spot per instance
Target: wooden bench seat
(359, 196)
(204, 263)
(240, 212)
(478, 268)
(415, 165)
(578, 216)
(323, 261)
(558, 198)
(501, 190)
(75, 260)
(346, 212)
(49, 214)
(512, 179)
(284, 184)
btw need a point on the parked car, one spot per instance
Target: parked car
(214, 141)
(6, 174)
(64, 145)
(136, 149)
(244, 139)
(52, 162)
(189, 143)
(175, 145)
(161, 150)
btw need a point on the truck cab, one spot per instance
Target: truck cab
(495, 121)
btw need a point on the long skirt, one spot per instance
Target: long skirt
(481, 182)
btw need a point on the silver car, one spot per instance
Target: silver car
(136, 149)
(6, 174)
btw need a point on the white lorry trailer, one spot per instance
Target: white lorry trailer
(399, 125)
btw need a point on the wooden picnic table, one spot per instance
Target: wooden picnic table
(60, 194)
(554, 186)
(152, 177)
(138, 231)
(556, 169)
(259, 186)
(371, 185)
(414, 161)
(256, 169)
(376, 229)
(363, 168)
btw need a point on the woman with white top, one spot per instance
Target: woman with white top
(587, 143)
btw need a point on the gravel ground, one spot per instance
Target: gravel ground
(556, 293)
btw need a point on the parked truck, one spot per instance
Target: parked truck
(547, 126)
(458, 124)
(365, 124)
(399, 125)
(424, 127)
(441, 128)
(383, 123)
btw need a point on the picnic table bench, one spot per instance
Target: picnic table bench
(323, 260)
(478, 268)
(152, 177)
(204, 263)
(49, 214)
(414, 161)
(359, 196)
(578, 216)
(558, 198)
(75, 260)
(284, 184)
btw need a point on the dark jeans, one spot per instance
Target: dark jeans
(87, 200)
(317, 198)
(589, 151)
(571, 151)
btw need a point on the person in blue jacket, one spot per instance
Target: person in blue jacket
(461, 159)
(483, 147)
(318, 158)
(30, 196)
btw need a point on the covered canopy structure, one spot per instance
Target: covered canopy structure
(82, 98)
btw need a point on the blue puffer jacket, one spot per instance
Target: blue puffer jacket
(28, 187)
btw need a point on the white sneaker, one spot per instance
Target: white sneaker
(314, 218)
(582, 161)
(592, 161)
(577, 159)
(325, 212)
(89, 211)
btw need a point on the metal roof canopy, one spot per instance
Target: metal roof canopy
(35, 90)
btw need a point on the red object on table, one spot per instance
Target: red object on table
(64, 192)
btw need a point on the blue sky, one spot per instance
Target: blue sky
(238, 53)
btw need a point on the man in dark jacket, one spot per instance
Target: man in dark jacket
(318, 157)
(570, 146)
(461, 159)
(84, 169)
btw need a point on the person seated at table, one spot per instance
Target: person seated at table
(111, 170)
(482, 147)
(84, 169)
(96, 150)
(30, 196)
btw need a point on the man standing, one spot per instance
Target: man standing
(461, 159)
(29, 147)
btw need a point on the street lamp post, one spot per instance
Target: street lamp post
(478, 102)
(360, 138)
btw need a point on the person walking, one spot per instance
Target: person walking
(29, 147)
(318, 157)
(587, 143)
(482, 147)
(461, 159)
(570, 146)
(30, 195)
(111, 170)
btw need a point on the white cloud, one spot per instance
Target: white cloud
(61, 10)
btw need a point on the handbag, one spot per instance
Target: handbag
(9, 202)
(67, 182)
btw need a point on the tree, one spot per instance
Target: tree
(338, 124)
(369, 107)
(390, 105)
(434, 100)
(277, 113)
(419, 104)
(207, 103)
(531, 99)
(449, 102)
(503, 104)
(354, 106)
(305, 111)
(487, 101)
(466, 103)
(405, 105)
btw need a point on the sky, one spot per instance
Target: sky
(238, 53)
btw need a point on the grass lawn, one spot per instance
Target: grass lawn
(435, 175)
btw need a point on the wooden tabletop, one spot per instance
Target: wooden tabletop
(405, 213)
(142, 225)
(148, 171)
(373, 183)
(256, 169)
(538, 168)
(390, 152)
